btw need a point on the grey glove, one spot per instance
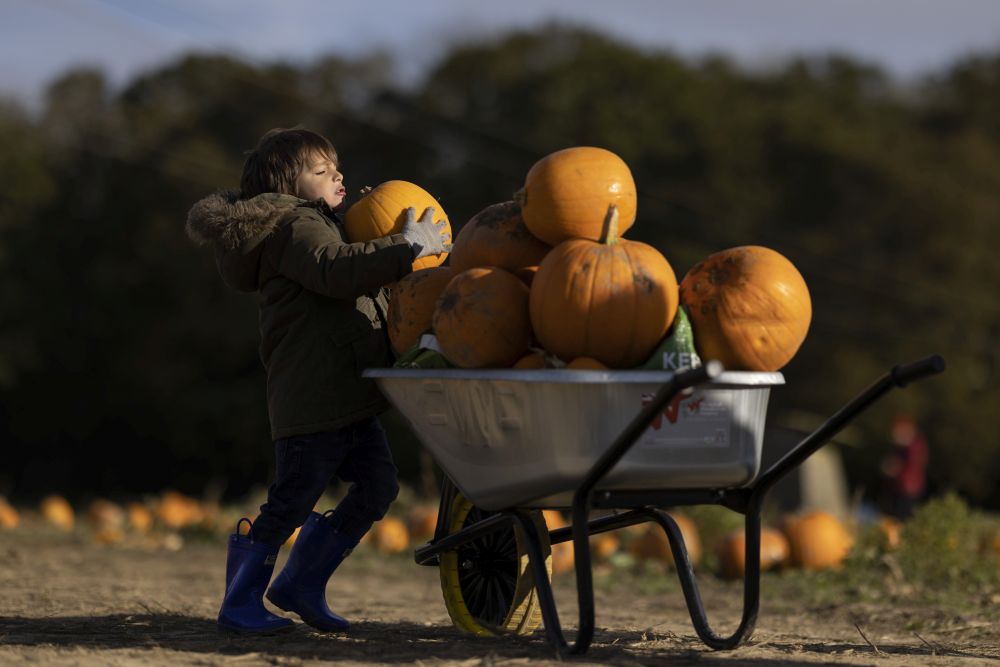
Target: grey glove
(424, 235)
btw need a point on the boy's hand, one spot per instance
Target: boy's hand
(424, 235)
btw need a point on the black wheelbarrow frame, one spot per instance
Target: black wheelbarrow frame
(646, 506)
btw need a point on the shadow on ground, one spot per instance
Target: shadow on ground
(372, 641)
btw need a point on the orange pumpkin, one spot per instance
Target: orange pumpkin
(497, 236)
(586, 364)
(531, 361)
(562, 553)
(103, 513)
(481, 319)
(9, 517)
(566, 193)
(140, 518)
(749, 308)
(732, 551)
(411, 305)
(382, 211)
(604, 545)
(612, 301)
(57, 511)
(818, 540)
(389, 535)
(654, 544)
(422, 522)
(891, 529)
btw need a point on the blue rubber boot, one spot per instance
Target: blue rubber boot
(249, 566)
(301, 585)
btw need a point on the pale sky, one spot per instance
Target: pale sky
(40, 39)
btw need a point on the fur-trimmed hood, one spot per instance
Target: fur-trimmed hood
(236, 229)
(229, 223)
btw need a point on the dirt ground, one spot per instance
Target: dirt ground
(67, 601)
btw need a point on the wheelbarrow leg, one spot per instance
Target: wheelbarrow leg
(546, 598)
(692, 595)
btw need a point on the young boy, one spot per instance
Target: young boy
(322, 310)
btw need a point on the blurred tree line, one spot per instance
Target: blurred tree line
(126, 366)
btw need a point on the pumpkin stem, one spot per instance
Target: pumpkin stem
(520, 197)
(365, 190)
(609, 236)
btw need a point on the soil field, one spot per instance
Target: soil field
(68, 601)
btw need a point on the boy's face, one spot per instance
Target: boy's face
(320, 178)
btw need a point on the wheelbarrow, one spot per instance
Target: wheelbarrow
(514, 442)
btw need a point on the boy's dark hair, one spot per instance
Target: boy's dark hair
(278, 159)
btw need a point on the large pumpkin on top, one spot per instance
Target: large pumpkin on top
(611, 300)
(749, 308)
(481, 319)
(411, 306)
(382, 211)
(566, 194)
(497, 236)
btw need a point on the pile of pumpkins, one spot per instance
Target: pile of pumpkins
(548, 276)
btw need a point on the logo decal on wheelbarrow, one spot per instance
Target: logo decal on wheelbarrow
(672, 411)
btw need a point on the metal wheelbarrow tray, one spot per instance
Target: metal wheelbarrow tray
(527, 438)
(512, 442)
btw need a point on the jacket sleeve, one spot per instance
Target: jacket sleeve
(312, 254)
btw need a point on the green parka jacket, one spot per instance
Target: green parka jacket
(321, 300)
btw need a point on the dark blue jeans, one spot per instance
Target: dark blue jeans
(306, 464)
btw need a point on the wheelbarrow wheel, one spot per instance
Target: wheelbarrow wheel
(487, 582)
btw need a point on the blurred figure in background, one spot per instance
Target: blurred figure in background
(904, 470)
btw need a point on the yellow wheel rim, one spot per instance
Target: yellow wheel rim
(513, 603)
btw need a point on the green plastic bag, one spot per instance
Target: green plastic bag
(676, 351)
(422, 358)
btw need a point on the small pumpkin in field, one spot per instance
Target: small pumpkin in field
(139, 517)
(497, 236)
(817, 540)
(421, 522)
(653, 543)
(9, 517)
(611, 300)
(566, 193)
(411, 305)
(57, 511)
(749, 308)
(562, 553)
(481, 319)
(774, 551)
(381, 211)
(389, 535)
(892, 531)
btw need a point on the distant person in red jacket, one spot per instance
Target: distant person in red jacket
(905, 468)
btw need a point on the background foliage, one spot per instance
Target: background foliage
(126, 366)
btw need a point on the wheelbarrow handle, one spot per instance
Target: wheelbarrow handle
(903, 374)
(898, 376)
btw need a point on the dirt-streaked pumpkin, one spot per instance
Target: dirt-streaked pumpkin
(749, 308)
(382, 211)
(497, 236)
(481, 319)
(566, 193)
(411, 305)
(611, 300)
